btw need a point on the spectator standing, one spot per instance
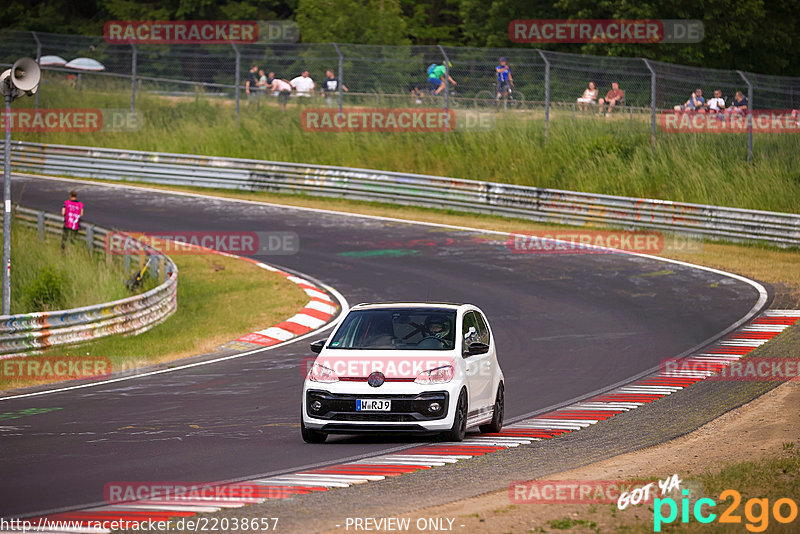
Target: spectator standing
(716, 104)
(504, 80)
(613, 97)
(251, 80)
(303, 84)
(72, 212)
(282, 89)
(331, 85)
(589, 96)
(262, 81)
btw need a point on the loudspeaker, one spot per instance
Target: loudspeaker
(25, 75)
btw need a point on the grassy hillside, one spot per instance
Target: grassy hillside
(585, 153)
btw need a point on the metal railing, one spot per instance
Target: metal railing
(26, 332)
(539, 204)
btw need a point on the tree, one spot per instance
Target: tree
(351, 21)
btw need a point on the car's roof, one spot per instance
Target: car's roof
(448, 305)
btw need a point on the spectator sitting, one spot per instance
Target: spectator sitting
(716, 104)
(739, 104)
(696, 102)
(613, 97)
(589, 96)
(303, 84)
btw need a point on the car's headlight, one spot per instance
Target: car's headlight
(320, 373)
(440, 375)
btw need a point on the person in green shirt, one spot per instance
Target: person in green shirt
(436, 75)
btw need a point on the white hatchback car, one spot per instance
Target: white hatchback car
(404, 367)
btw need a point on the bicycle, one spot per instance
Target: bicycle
(486, 99)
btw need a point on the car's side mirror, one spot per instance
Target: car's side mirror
(316, 347)
(476, 348)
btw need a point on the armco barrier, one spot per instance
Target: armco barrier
(31, 331)
(546, 205)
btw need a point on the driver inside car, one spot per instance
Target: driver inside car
(437, 327)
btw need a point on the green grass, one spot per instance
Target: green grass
(592, 154)
(219, 299)
(44, 279)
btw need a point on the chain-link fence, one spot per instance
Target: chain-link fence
(397, 76)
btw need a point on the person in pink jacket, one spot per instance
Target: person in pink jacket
(72, 212)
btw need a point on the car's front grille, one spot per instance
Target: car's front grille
(405, 408)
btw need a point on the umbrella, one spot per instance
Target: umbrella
(85, 63)
(52, 61)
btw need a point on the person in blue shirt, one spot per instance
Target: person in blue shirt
(504, 80)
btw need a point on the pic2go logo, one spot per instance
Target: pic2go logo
(756, 511)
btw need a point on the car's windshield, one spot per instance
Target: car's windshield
(397, 328)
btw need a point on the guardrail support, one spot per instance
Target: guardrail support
(749, 116)
(237, 74)
(546, 93)
(340, 86)
(40, 225)
(7, 210)
(38, 59)
(90, 238)
(446, 89)
(133, 78)
(652, 106)
(126, 263)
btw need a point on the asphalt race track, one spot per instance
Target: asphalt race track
(565, 325)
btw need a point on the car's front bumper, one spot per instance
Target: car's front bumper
(410, 410)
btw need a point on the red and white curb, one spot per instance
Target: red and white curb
(567, 419)
(316, 313)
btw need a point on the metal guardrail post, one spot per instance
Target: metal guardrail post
(40, 225)
(340, 75)
(749, 116)
(7, 209)
(90, 238)
(652, 106)
(237, 74)
(38, 59)
(446, 89)
(133, 78)
(546, 92)
(126, 262)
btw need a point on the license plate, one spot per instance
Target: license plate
(373, 405)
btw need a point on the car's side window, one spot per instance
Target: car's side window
(470, 329)
(483, 330)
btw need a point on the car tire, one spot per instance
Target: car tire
(496, 424)
(459, 428)
(311, 436)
